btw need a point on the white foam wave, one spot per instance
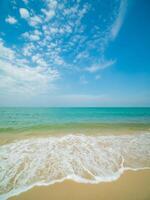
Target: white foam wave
(86, 159)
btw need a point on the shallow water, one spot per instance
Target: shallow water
(88, 159)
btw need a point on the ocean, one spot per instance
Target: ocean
(15, 118)
(42, 146)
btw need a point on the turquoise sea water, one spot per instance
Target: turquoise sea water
(42, 146)
(33, 117)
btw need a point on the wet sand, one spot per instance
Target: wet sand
(93, 129)
(132, 185)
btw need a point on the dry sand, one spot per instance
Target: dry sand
(131, 186)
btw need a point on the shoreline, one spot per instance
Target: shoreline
(59, 130)
(131, 183)
(76, 180)
(76, 143)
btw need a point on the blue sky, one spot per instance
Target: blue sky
(74, 53)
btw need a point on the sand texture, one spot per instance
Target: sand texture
(132, 185)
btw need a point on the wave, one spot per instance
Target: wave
(86, 159)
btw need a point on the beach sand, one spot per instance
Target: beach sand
(132, 185)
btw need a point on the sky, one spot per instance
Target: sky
(74, 53)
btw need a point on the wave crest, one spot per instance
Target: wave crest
(88, 159)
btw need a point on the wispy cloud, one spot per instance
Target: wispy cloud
(119, 19)
(101, 65)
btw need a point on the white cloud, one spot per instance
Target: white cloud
(32, 37)
(17, 75)
(26, 1)
(52, 4)
(24, 13)
(49, 14)
(39, 60)
(28, 49)
(119, 19)
(11, 20)
(16, 78)
(32, 20)
(6, 53)
(53, 30)
(99, 66)
(26, 73)
(35, 20)
(37, 32)
(82, 55)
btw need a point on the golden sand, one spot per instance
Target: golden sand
(131, 186)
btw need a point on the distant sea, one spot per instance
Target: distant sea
(15, 118)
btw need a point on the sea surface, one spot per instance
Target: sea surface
(17, 118)
(42, 146)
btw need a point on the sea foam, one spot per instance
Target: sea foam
(86, 159)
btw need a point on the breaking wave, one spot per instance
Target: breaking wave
(86, 159)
